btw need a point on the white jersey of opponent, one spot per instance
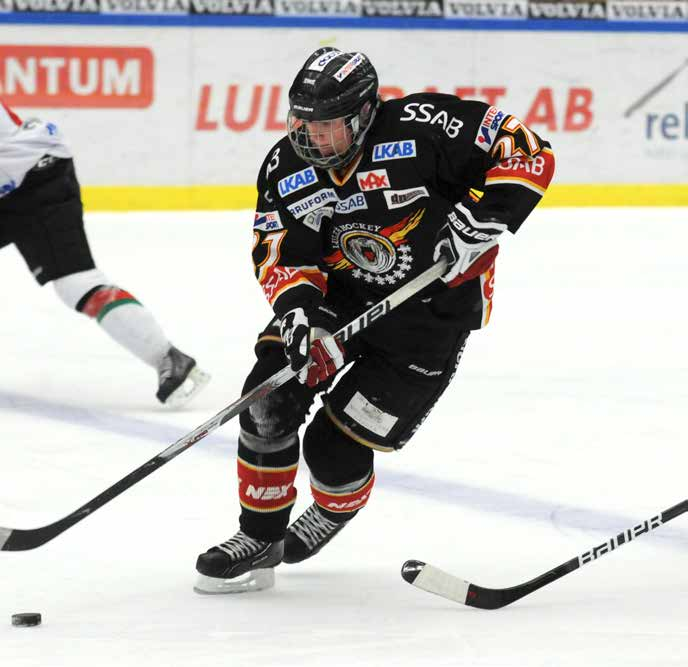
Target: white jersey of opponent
(23, 144)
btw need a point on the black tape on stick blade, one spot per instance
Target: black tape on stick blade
(26, 619)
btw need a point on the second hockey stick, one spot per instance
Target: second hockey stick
(16, 539)
(433, 580)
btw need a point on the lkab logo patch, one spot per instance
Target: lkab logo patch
(297, 181)
(394, 150)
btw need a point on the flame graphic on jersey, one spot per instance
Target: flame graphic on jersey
(396, 234)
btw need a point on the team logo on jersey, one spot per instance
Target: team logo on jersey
(314, 219)
(374, 254)
(399, 198)
(372, 180)
(394, 150)
(297, 181)
(488, 128)
(355, 202)
(267, 222)
(299, 208)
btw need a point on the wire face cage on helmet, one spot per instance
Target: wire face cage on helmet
(329, 143)
(332, 104)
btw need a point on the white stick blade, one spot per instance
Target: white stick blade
(433, 580)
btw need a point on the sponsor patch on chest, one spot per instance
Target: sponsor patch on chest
(372, 180)
(394, 150)
(297, 181)
(314, 219)
(399, 198)
(299, 208)
(356, 202)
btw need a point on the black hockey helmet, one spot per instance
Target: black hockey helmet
(330, 86)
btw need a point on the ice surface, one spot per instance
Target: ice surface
(566, 424)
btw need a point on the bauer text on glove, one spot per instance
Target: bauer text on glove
(469, 245)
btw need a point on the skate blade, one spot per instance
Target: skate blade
(255, 580)
(194, 383)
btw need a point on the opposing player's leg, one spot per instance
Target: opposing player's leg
(267, 461)
(132, 325)
(49, 233)
(378, 404)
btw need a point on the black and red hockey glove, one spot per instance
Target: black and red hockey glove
(309, 344)
(468, 244)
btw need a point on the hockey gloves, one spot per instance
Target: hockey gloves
(469, 245)
(309, 344)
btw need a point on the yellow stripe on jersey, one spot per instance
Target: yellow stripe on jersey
(515, 180)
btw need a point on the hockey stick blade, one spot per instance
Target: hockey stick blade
(433, 580)
(16, 539)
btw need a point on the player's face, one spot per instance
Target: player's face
(330, 137)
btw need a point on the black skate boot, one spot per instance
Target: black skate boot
(179, 378)
(220, 568)
(310, 533)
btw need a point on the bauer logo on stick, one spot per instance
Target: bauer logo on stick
(621, 538)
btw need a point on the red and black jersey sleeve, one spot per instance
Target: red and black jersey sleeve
(509, 163)
(286, 253)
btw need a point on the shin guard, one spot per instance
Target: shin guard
(342, 500)
(266, 469)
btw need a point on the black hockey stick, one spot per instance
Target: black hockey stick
(15, 539)
(434, 580)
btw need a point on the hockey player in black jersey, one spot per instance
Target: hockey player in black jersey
(359, 198)
(42, 216)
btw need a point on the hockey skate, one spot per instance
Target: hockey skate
(179, 378)
(239, 565)
(310, 533)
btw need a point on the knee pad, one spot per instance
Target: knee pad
(261, 446)
(72, 288)
(333, 458)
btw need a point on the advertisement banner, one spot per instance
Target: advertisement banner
(77, 76)
(647, 10)
(403, 8)
(562, 10)
(485, 9)
(325, 13)
(179, 107)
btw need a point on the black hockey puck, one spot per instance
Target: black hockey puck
(26, 620)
